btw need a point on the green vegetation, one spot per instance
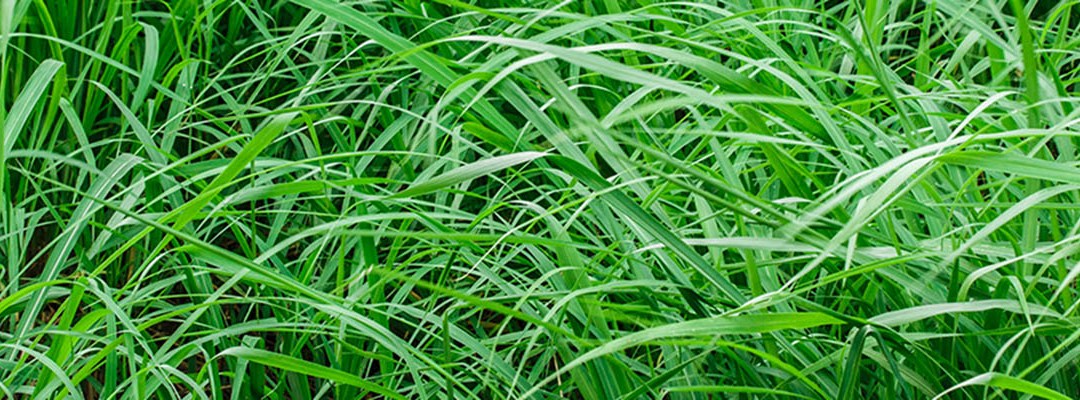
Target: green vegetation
(805, 199)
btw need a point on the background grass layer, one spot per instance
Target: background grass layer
(807, 199)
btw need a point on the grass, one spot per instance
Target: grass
(806, 199)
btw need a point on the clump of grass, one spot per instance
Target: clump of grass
(595, 200)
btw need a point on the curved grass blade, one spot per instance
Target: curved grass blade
(308, 368)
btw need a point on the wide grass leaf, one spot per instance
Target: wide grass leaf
(913, 314)
(1002, 381)
(293, 364)
(1014, 164)
(24, 104)
(467, 172)
(706, 327)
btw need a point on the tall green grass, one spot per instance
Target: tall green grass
(806, 199)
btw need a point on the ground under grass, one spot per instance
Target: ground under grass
(806, 199)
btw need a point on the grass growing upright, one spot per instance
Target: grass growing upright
(300, 199)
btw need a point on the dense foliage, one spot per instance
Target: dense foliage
(811, 199)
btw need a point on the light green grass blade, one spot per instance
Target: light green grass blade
(15, 119)
(293, 364)
(1000, 381)
(718, 326)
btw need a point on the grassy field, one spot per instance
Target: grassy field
(470, 199)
